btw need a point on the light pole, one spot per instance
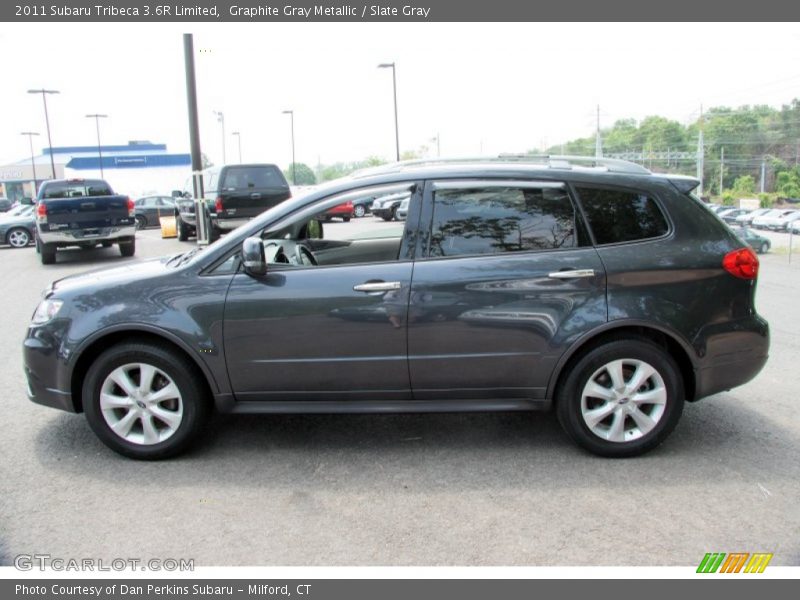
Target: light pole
(221, 119)
(97, 118)
(30, 135)
(44, 93)
(394, 88)
(294, 173)
(239, 139)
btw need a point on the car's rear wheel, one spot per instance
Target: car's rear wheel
(764, 248)
(47, 253)
(128, 248)
(145, 400)
(19, 237)
(183, 229)
(359, 210)
(141, 222)
(346, 219)
(622, 398)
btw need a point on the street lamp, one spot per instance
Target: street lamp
(294, 173)
(30, 135)
(394, 87)
(221, 119)
(44, 93)
(239, 139)
(99, 147)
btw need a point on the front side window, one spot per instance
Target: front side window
(621, 216)
(470, 219)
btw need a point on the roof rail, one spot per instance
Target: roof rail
(612, 165)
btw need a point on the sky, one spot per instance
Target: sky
(482, 88)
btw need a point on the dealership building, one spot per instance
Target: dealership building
(136, 169)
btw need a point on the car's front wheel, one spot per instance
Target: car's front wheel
(622, 398)
(764, 248)
(144, 400)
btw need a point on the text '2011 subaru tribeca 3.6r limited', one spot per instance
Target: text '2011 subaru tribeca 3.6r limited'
(514, 284)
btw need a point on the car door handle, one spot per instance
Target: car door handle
(572, 274)
(377, 286)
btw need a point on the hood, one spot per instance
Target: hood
(104, 277)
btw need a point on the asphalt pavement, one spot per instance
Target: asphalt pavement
(479, 489)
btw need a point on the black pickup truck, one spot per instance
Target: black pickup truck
(233, 194)
(83, 213)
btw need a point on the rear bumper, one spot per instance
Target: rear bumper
(229, 224)
(734, 354)
(76, 236)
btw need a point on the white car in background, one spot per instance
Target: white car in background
(764, 221)
(747, 219)
(782, 223)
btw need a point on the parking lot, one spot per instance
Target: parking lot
(479, 489)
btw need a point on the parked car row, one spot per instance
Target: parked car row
(773, 219)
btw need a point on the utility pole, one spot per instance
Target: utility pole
(721, 167)
(44, 93)
(97, 118)
(598, 143)
(194, 140)
(30, 135)
(763, 173)
(700, 155)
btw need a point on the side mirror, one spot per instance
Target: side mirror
(186, 195)
(176, 194)
(253, 259)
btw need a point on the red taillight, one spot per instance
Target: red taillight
(41, 213)
(131, 208)
(742, 263)
(218, 204)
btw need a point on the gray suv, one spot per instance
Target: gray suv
(521, 283)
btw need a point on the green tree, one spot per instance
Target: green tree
(745, 184)
(305, 176)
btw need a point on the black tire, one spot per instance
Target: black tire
(359, 211)
(18, 237)
(570, 404)
(394, 213)
(388, 217)
(47, 253)
(182, 228)
(141, 222)
(128, 248)
(764, 248)
(170, 365)
(346, 219)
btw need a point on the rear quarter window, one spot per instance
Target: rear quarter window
(617, 216)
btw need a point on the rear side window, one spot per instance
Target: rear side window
(621, 216)
(474, 219)
(237, 178)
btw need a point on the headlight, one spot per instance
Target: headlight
(46, 310)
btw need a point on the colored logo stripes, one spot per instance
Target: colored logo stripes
(734, 562)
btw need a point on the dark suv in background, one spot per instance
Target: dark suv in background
(232, 195)
(521, 283)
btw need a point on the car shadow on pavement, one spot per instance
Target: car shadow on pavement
(715, 439)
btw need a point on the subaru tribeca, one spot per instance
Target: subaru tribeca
(519, 283)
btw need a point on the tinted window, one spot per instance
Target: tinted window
(237, 178)
(619, 216)
(77, 189)
(490, 220)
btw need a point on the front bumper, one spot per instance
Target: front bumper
(77, 236)
(44, 371)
